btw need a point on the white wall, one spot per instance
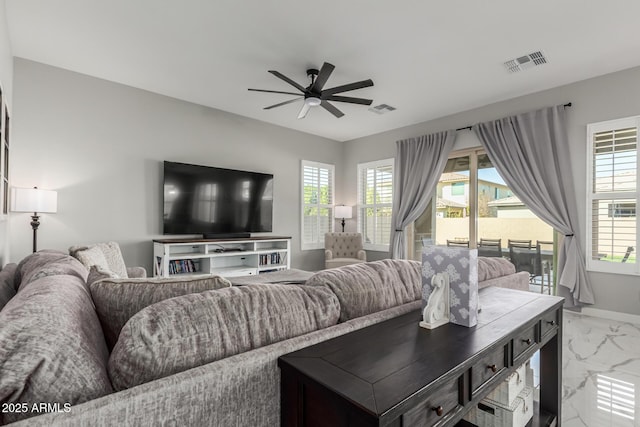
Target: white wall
(101, 145)
(6, 79)
(607, 97)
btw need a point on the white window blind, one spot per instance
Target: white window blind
(612, 238)
(375, 195)
(317, 203)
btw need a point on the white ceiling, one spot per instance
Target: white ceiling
(426, 58)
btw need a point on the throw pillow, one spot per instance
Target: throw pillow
(90, 256)
(7, 286)
(117, 300)
(97, 273)
(52, 346)
(192, 330)
(370, 287)
(113, 255)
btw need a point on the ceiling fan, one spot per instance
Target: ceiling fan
(314, 95)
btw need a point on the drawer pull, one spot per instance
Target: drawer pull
(552, 323)
(439, 410)
(527, 341)
(493, 368)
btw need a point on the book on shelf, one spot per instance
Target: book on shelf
(272, 258)
(181, 266)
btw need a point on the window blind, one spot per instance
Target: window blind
(375, 197)
(317, 203)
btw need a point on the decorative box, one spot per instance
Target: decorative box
(489, 413)
(509, 389)
(461, 264)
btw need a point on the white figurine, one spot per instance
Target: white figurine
(436, 313)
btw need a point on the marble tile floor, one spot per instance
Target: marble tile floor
(600, 372)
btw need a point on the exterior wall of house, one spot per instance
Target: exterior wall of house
(612, 96)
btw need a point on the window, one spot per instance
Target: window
(317, 203)
(457, 189)
(375, 190)
(487, 210)
(612, 196)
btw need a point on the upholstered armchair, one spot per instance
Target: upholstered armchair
(107, 258)
(343, 249)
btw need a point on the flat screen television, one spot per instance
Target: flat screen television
(216, 202)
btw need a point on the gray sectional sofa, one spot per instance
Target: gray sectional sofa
(175, 352)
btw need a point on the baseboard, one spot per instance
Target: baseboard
(611, 315)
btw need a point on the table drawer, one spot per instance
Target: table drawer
(440, 404)
(487, 367)
(523, 341)
(549, 322)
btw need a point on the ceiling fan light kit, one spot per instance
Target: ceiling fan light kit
(314, 95)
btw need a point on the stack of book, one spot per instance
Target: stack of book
(180, 266)
(268, 259)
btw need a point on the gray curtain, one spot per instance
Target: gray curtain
(531, 153)
(418, 165)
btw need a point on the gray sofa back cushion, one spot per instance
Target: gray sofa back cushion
(48, 263)
(494, 267)
(192, 330)
(7, 284)
(117, 300)
(372, 286)
(52, 349)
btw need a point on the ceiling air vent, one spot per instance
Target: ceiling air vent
(382, 108)
(524, 62)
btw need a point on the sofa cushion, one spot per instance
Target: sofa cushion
(369, 287)
(494, 267)
(107, 256)
(52, 349)
(117, 300)
(184, 332)
(7, 283)
(47, 263)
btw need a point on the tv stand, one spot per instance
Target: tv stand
(228, 257)
(226, 235)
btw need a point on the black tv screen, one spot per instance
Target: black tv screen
(215, 201)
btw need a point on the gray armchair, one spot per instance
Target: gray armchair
(343, 249)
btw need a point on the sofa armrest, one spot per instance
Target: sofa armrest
(362, 255)
(328, 254)
(136, 272)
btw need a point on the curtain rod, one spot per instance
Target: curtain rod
(568, 104)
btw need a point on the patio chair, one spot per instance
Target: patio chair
(458, 243)
(519, 243)
(490, 247)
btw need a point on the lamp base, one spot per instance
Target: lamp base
(343, 225)
(35, 223)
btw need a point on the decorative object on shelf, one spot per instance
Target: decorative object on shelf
(461, 266)
(343, 212)
(436, 313)
(36, 201)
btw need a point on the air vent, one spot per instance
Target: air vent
(525, 62)
(381, 109)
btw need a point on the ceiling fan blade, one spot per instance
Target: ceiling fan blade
(288, 80)
(349, 99)
(322, 77)
(274, 91)
(282, 103)
(304, 111)
(346, 88)
(333, 110)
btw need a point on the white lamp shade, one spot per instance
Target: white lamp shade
(34, 200)
(343, 212)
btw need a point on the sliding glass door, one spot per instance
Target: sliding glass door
(474, 207)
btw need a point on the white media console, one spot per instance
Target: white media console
(225, 257)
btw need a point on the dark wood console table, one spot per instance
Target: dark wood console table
(396, 373)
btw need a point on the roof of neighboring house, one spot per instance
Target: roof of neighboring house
(458, 177)
(445, 203)
(507, 201)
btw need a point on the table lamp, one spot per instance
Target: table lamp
(344, 212)
(36, 201)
